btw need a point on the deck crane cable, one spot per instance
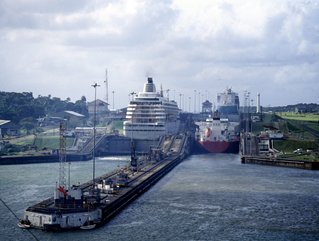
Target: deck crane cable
(18, 218)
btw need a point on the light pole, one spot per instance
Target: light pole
(194, 101)
(184, 102)
(251, 122)
(199, 101)
(113, 98)
(94, 132)
(189, 104)
(167, 91)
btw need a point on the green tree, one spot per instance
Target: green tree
(28, 124)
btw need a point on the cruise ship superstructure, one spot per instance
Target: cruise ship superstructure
(151, 115)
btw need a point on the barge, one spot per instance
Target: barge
(92, 204)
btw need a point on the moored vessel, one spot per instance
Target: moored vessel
(217, 135)
(228, 104)
(70, 207)
(93, 203)
(151, 115)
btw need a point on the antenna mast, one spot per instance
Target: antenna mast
(106, 88)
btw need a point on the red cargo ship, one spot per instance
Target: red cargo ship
(218, 135)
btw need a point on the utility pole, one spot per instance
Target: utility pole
(194, 101)
(113, 98)
(199, 102)
(167, 91)
(106, 88)
(94, 132)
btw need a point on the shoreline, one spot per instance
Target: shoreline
(280, 162)
(29, 159)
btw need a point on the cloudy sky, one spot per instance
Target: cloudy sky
(61, 48)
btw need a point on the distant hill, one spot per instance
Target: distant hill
(21, 106)
(301, 108)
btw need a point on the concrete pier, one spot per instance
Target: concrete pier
(280, 162)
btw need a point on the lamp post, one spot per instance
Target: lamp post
(199, 102)
(94, 132)
(113, 98)
(167, 91)
(250, 119)
(194, 101)
(184, 102)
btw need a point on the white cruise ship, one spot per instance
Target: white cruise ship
(151, 115)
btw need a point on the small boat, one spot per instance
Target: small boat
(24, 224)
(88, 225)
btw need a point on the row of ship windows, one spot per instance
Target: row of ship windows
(146, 114)
(143, 130)
(152, 104)
(145, 120)
(129, 117)
(151, 117)
(151, 111)
(152, 107)
(141, 103)
(150, 124)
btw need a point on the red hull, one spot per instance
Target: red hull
(220, 146)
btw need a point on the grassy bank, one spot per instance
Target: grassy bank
(23, 141)
(288, 146)
(311, 117)
(51, 142)
(34, 144)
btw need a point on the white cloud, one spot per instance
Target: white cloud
(61, 48)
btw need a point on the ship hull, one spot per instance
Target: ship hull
(217, 146)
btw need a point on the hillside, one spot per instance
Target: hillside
(300, 130)
(17, 107)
